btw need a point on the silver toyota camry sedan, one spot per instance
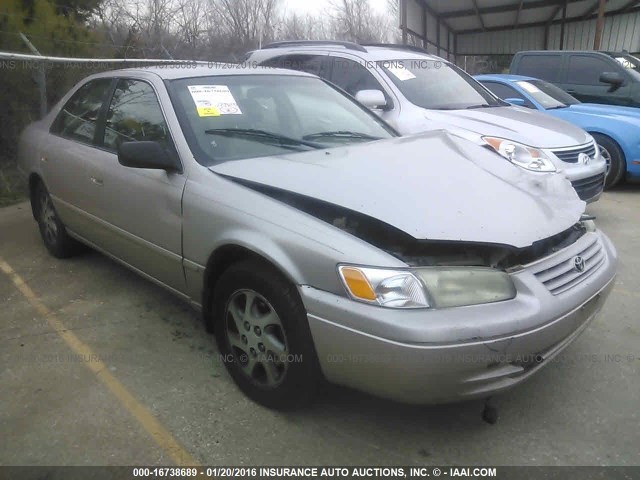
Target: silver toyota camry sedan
(316, 243)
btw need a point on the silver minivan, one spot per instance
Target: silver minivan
(416, 92)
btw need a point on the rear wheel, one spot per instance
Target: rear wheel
(53, 232)
(263, 335)
(616, 165)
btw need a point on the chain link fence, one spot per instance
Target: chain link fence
(31, 85)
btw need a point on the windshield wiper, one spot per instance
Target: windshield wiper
(265, 137)
(341, 134)
(482, 105)
(559, 106)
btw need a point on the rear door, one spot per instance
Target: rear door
(546, 66)
(583, 80)
(70, 156)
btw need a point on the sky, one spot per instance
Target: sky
(316, 6)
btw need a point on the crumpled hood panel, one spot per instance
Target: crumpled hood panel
(523, 125)
(434, 186)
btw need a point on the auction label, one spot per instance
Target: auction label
(214, 100)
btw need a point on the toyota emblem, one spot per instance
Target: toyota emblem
(578, 264)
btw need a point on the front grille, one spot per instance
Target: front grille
(564, 276)
(572, 155)
(588, 188)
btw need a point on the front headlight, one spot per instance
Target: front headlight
(524, 156)
(429, 287)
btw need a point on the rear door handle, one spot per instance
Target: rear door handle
(97, 181)
(570, 90)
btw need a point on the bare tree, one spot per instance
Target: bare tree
(246, 23)
(304, 27)
(355, 20)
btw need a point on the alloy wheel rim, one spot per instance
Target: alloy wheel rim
(607, 157)
(257, 338)
(48, 216)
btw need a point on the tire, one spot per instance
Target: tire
(267, 348)
(616, 164)
(52, 230)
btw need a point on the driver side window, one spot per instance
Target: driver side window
(134, 115)
(353, 77)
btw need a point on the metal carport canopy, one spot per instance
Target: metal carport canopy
(452, 26)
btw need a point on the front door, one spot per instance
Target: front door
(140, 209)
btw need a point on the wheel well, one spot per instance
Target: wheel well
(34, 181)
(608, 137)
(219, 261)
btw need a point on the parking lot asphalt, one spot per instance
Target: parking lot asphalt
(154, 378)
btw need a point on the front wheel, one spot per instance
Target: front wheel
(616, 165)
(263, 335)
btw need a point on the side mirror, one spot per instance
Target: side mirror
(516, 101)
(146, 155)
(612, 78)
(371, 98)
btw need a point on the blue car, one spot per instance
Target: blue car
(615, 129)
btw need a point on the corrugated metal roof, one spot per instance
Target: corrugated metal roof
(472, 16)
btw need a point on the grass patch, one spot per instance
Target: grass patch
(12, 186)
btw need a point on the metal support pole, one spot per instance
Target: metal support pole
(403, 21)
(41, 77)
(424, 29)
(564, 19)
(599, 25)
(546, 37)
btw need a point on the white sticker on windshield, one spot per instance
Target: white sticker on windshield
(214, 100)
(624, 62)
(529, 87)
(401, 72)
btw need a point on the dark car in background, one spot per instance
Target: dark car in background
(594, 77)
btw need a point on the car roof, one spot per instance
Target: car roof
(368, 52)
(191, 70)
(505, 77)
(603, 52)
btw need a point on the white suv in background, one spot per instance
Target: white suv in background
(416, 92)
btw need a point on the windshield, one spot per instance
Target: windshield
(631, 63)
(547, 94)
(627, 61)
(437, 85)
(244, 116)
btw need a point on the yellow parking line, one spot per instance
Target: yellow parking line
(159, 434)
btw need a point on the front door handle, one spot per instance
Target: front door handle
(97, 181)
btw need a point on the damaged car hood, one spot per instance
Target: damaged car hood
(434, 186)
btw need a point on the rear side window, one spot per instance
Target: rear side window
(546, 67)
(78, 118)
(134, 115)
(314, 64)
(586, 70)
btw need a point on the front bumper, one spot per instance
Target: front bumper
(587, 180)
(433, 356)
(590, 189)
